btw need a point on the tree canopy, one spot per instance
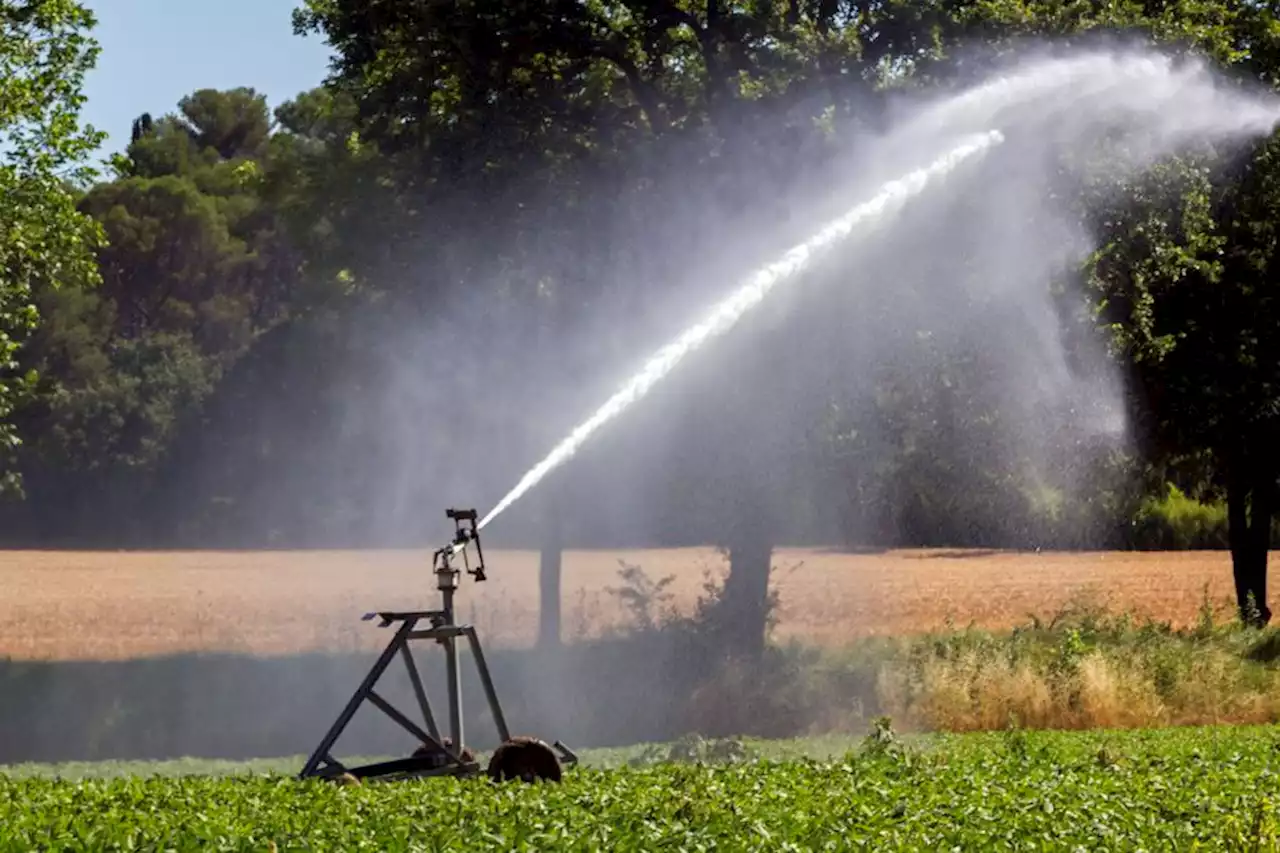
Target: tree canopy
(308, 325)
(45, 51)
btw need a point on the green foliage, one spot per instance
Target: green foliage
(1182, 280)
(646, 600)
(694, 749)
(1177, 521)
(1079, 669)
(1083, 667)
(1180, 789)
(705, 627)
(883, 741)
(45, 51)
(195, 266)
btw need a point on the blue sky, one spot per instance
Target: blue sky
(156, 51)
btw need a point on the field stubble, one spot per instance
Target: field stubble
(112, 606)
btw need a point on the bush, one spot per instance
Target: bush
(1175, 521)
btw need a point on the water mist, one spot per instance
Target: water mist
(1150, 103)
(746, 297)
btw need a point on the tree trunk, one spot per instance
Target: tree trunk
(745, 613)
(746, 593)
(1251, 489)
(549, 574)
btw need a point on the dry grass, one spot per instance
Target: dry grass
(59, 605)
(984, 694)
(1112, 687)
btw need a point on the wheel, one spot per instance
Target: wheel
(525, 758)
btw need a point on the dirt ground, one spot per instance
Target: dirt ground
(93, 605)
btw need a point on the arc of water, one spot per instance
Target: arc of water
(750, 293)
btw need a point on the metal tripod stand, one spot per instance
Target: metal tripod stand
(438, 757)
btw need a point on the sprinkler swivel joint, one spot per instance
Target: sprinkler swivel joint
(465, 533)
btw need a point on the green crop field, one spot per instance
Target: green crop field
(1212, 788)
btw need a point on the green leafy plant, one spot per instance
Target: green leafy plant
(1183, 789)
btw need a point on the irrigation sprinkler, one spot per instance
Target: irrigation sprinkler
(520, 757)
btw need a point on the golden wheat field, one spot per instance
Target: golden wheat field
(95, 605)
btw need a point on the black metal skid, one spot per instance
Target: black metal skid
(448, 760)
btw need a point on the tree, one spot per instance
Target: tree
(1183, 276)
(1184, 266)
(45, 52)
(247, 468)
(551, 146)
(1185, 282)
(194, 268)
(264, 281)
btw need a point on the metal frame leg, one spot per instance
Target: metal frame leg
(449, 635)
(486, 681)
(362, 692)
(420, 692)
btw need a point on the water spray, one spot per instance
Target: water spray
(749, 294)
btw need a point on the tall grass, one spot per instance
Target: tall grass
(1085, 669)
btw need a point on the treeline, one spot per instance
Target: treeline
(323, 323)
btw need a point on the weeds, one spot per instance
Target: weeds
(1082, 667)
(646, 600)
(1085, 670)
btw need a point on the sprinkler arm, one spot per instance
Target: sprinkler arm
(465, 533)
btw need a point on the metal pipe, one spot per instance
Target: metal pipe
(455, 694)
(452, 673)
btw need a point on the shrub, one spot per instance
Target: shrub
(1177, 521)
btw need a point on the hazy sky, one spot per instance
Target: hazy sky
(156, 51)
